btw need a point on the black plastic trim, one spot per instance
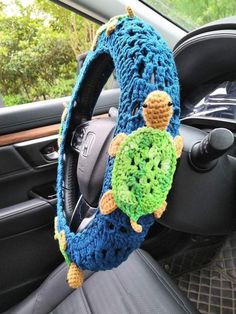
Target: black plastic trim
(209, 122)
(203, 62)
(163, 15)
(223, 24)
(24, 217)
(68, 7)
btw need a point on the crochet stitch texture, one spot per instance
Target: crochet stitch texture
(143, 63)
(143, 172)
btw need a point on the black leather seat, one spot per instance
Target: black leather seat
(139, 285)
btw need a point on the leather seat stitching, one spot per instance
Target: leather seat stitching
(163, 281)
(40, 293)
(84, 293)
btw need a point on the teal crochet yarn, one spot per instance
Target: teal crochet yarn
(143, 64)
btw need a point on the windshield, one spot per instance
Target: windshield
(191, 14)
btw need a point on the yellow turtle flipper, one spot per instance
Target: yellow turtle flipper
(158, 213)
(107, 203)
(75, 276)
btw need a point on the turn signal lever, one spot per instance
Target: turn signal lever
(204, 154)
(202, 199)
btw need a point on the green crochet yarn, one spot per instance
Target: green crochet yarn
(143, 172)
(63, 251)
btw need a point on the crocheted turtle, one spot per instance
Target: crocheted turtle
(145, 163)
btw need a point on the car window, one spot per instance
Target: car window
(39, 45)
(191, 14)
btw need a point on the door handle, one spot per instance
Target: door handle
(50, 152)
(51, 156)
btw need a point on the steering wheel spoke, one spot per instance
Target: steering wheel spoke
(82, 215)
(85, 165)
(77, 137)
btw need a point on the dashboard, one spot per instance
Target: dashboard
(202, 199)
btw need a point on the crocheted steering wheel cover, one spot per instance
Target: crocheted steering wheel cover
(143, 63)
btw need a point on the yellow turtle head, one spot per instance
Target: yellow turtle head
(157, 110)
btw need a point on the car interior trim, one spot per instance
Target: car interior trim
(44, 113)
(37, 140)
(103, 12)
(33, 134)
(67, 5)
(210, 122)
(222, 24)
(211, 62)
(12, 218)
(27, 135)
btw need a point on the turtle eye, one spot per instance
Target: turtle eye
(170, 104)
(144, 105)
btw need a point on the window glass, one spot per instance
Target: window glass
(191, 14)
(39, 45)
(219, 103)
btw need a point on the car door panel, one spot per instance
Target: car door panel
(24, 217)
(47, 113)
(28, 141)
(28, 251)
(39, 152)
(11, 162)
(26, 259)
(16, 185)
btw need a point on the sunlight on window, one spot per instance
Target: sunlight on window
(39, 46)
(191, 14)
(11, 8)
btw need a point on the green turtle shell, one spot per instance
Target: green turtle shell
(143, 171)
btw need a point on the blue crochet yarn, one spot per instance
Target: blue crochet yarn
(139, 54)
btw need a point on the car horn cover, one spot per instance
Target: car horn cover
(143, 64)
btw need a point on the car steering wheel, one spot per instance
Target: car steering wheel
(143, 63)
